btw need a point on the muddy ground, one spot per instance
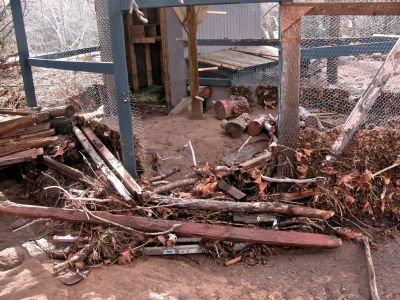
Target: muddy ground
(285, 274)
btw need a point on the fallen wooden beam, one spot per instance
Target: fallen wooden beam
(21, 138)
(13, 147)
(243, 207)
(62, 168)
(132, 186)
(115, 182)
(366, 102)
(206, 231)
(23, 156)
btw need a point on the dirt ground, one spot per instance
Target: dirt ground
(289, 274)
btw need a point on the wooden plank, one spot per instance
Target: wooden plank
(231, 190)
(185, 229)
(343, 8)
(149, 68)
(115, 182)
(254, 162)
(13, 147)
(18, 112)
(201, 13)
(62, 168)
(145, 40)
(368, 99)
(29, 130)
(196, 105)
(288, 123)
(254, 218)
(132, 186)
(40, 134)
(17, 124)
(164, 56)
(263, 51)
(23, 156)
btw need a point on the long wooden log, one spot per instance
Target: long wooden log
(115, 182)
(244, 207)
(40, 134)
(62, 168)
(230, 108)
(206, 231)
(13, 147)
(366, 102)
(133, 187)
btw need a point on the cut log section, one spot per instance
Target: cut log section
(206, 231)
(225, 109)
(236, 127)
(256, 126)
(115, 182)
(113, 163)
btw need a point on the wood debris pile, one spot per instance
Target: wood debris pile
(97, 213)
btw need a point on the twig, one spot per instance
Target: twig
(193, 154)
(163, 176)
(396, 164)
(173, 185)
(371, 272)
(290, 180)
(30, 224)
(243, 145)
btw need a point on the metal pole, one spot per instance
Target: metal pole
(122, 86)
(23, 51)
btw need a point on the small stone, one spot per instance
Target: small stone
(11, 258)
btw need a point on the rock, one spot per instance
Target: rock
(11, 258)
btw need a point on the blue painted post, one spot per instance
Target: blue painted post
(23, 51)
(122, 86)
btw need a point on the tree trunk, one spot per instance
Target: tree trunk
(225, 109)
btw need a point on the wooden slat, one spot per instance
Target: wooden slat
(145, 40)
(149, 68)
(23, 156)
(366, 102)
(100, 164)
(357, 8)
(231, 190)
(26, 144)
(186, 229)
(40, 134)
(164, 56)
(180, 13)
(263, 51)
(28, 130)
(113, 163)
(130, 51)
(17, 124)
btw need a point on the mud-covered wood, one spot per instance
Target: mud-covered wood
(230, 108)
(186, 229)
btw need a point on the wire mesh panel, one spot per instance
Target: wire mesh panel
(340, 57)
(79, 31)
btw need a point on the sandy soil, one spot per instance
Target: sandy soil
(290, 274)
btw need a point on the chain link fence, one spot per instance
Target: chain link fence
(83, 29)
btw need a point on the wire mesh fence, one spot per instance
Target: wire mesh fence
(340, 57)
(83, 29)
